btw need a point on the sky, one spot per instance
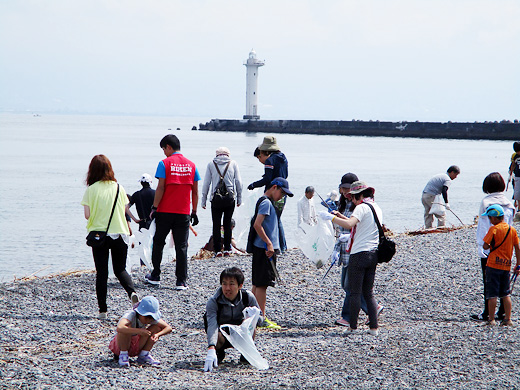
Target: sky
(427, 60)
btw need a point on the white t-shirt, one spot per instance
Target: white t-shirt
(366, 236)
(134, 320)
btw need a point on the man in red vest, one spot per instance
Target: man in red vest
(178, 182)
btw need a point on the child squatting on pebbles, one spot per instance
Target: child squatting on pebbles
(138, 331)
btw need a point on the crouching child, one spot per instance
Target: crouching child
(226, 307)
(500, 239)
(138, 331)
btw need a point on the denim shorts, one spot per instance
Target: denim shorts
(497, 283)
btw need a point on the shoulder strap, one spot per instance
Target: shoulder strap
(218, 170)
(381, 233)
(260, 200)
(496, 247)
(245, 297)
(113, 208)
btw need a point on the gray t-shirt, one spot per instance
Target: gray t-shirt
(134, 320)
(434, 186)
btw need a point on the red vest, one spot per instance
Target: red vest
(180, 173)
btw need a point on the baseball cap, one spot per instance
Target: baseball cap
(347, 180)
(495, 210)
(283, 184)
(149, 306)
(145, 178)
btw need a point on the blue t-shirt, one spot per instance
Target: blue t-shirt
(161, 171)
(270, 224)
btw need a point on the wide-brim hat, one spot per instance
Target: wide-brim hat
(149, 306)
(269, 144)
(283, 184)
(359, 186)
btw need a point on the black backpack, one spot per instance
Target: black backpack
(252, 232)
(222, 196)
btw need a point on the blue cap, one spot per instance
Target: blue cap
(495, 210)
(149, 306)
(283, 184)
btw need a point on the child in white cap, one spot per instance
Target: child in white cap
(138, 331)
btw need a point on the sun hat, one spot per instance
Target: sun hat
(222, 150)
(495, 210)
(145, 178)
(149, 306)
(359, 186)
(269, 144)
(333, 195)
(283, 184)
(347, 180)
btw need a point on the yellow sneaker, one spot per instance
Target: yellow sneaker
(268, 324)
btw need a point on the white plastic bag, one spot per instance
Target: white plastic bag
(438, 207)
(243, 215)
(241, 338)
(316, 242)
(145, 239)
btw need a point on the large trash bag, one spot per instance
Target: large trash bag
(243, 215)
(316, 242)
(241, 338)
(145, 240)
(438, 207)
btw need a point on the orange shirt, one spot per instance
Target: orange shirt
(500, 258)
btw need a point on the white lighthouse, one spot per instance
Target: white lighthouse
(252, 64)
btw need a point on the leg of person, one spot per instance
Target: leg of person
(281, 236)
(345, 310)
(492, 304)
(263, 277)
(355, 281)
(162, 229)
(216, 216)
(181, 230)
(145, 346)
(441, 220)
(427, 201)
(506, 302)
(101, 262)
(370, 262)
(228, 216)
(493, 291)
(119, 251)
(483, 262)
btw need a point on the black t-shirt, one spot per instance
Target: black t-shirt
(143, 200)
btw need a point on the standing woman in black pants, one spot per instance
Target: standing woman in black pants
(98, 201)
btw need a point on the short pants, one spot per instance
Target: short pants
(263, 274)
(497, 283)
(132, 351)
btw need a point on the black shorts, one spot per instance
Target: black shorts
(497, 283)
(263, 274)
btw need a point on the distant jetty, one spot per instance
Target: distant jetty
(504, 130)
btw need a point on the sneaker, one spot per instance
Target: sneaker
(134, 298)
(148, 359)
(342, 322)
(181, 286)
(379, 310)
(149, 279)
(221, 355)
(219, 254)
(243, 360)
(227, 253)
(491, 323)
(506, 323)
(102, 315)
(268, 324)
(373, 332)
(477, 317)
(124, 360)
(350, 331)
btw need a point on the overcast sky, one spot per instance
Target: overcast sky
(432, 60)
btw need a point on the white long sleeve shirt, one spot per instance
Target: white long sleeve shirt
(307, 211)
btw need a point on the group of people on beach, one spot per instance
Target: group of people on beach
(173, 208)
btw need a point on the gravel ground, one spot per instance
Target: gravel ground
(50, 336)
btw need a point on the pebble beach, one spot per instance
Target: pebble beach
(50, 336)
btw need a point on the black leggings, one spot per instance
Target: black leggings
(119, 250)
(361, 275)
(216, 215)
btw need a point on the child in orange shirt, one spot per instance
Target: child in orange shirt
(501, 239)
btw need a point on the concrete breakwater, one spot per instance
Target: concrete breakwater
(504, 130)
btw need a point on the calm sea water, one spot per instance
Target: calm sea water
(43, 163)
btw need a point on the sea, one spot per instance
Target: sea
(44, 161)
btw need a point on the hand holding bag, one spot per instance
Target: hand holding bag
(97, 238)
(386, 247)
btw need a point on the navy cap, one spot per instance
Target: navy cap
(283, 184)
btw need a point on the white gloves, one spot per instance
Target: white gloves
(344, 237)
(211, 360)
(326, 216)
(447, 205)
(251, 311)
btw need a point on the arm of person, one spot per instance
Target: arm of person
(445, 193)
(86, 211)
(159, 192)
(341, 220)
(194, 196)
(128, 212)
(205, 186)
(211, 318)
(238, 185)
(269, 250)
(165, 329)
(267, 178)
(124, 327)
(300, 214)
(517, 254)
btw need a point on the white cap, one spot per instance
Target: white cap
(222, 150)
(145, 178)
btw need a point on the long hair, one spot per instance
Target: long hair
(100, 168)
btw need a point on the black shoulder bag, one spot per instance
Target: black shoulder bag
(386, 247)
(95, 239)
